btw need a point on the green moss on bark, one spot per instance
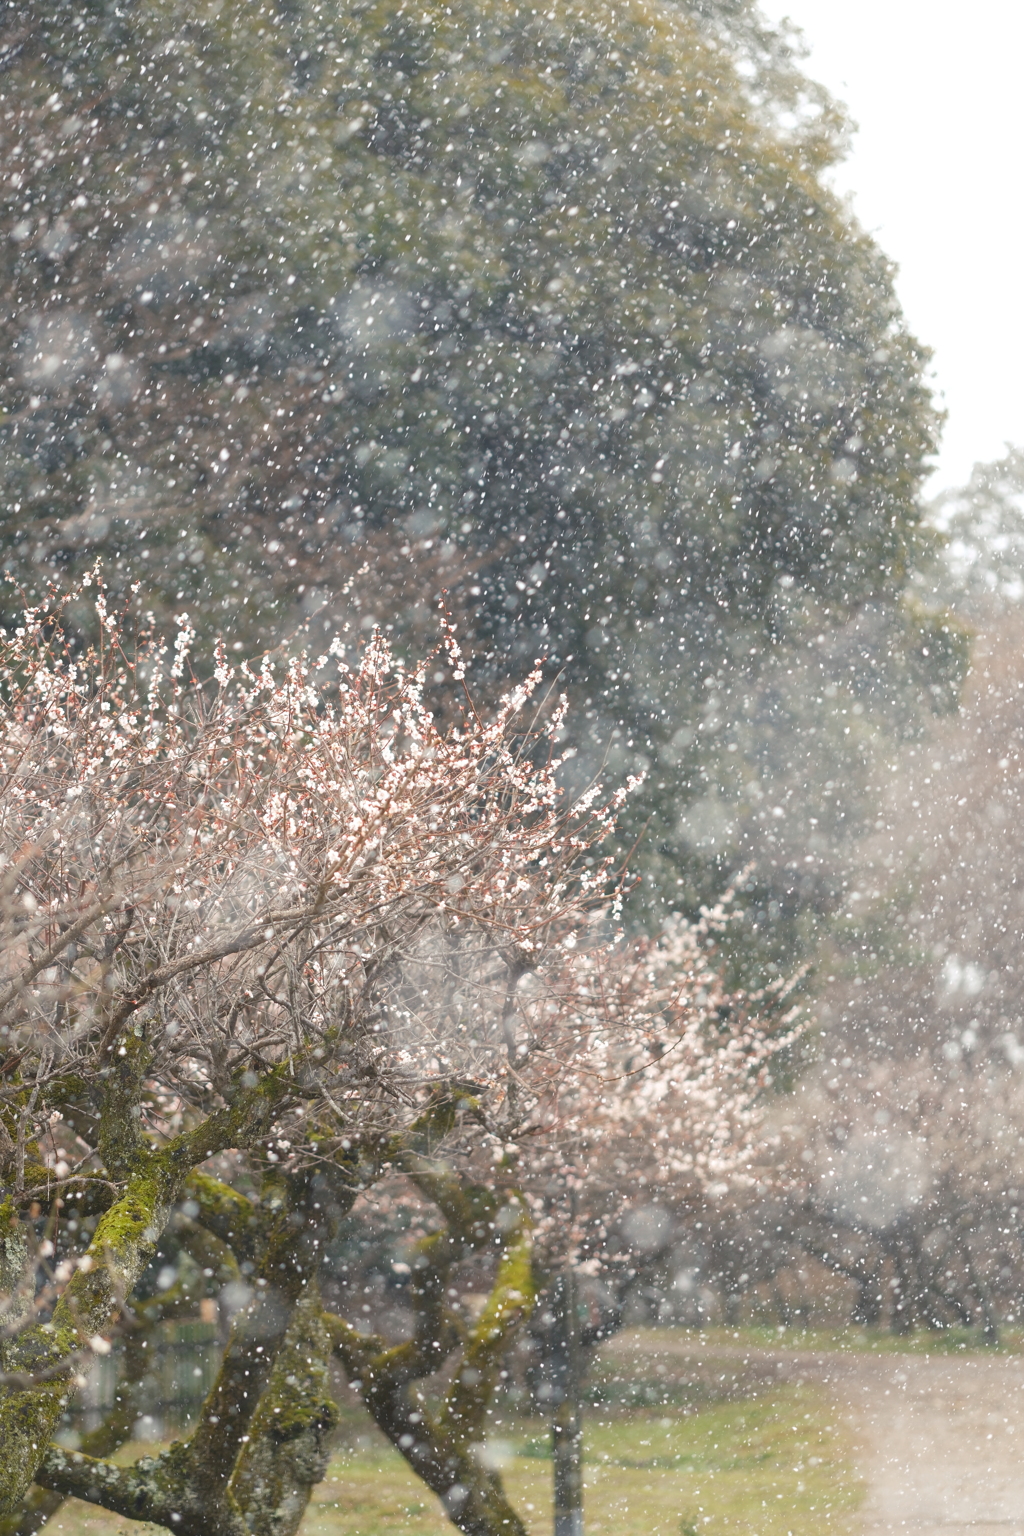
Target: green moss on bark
(286, 1454)
(123, 1244)
(446, 1448)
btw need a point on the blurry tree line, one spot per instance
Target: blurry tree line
(898, 1164)
(915, 1114)
(899, 1161)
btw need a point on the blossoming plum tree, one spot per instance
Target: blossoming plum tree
(266, 941)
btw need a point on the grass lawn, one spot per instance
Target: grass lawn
(923, 1341)
(775, 1466)
(665, 1455)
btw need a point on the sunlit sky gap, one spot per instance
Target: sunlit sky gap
(935, 175)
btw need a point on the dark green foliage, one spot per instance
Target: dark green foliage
(551, 301)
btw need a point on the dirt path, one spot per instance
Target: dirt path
(941, 1443)
(940, 1440)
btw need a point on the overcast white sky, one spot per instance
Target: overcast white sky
(936, 176)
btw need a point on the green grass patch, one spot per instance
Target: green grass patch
(763, 1336)
(776, 1465)
(770, 1466)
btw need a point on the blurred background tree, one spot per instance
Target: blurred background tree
(550, 308)
(925, 952)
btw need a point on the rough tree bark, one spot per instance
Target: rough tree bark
(123, 1245)
(446, 1445)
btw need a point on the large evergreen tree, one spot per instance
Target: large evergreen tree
(552, 298)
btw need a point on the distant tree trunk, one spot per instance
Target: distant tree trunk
(783, 1310)
(990, 1325)
(567, 1426)
(902, 1320)
(868, 1309)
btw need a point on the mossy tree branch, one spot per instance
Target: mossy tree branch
(446, 1447)
(124, 1242)
(42, 1504)
(259, 1445)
